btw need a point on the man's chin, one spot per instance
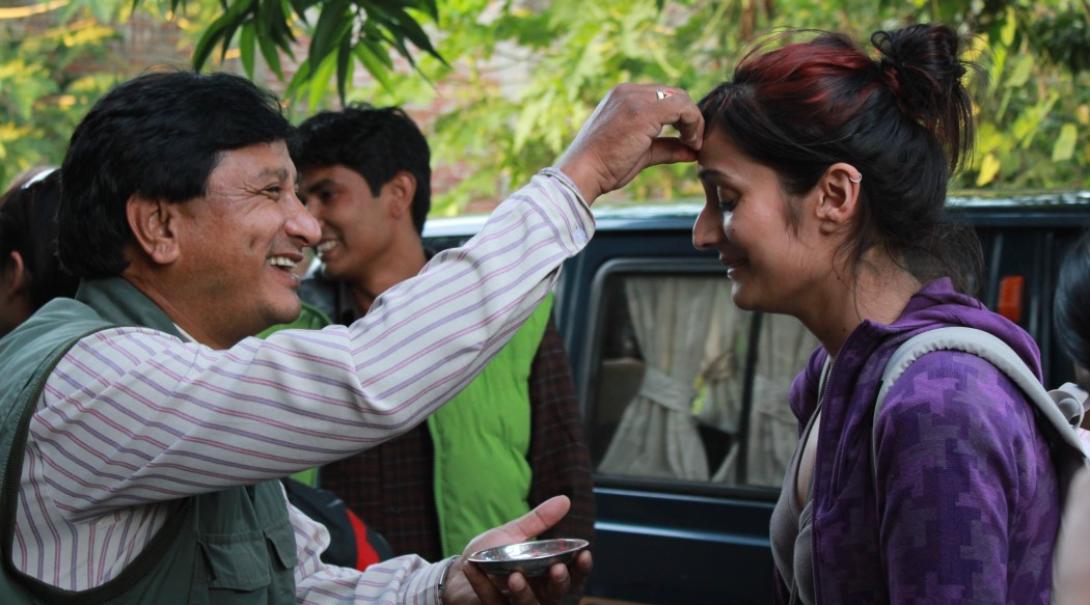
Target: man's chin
(284, 312)
(334, 271)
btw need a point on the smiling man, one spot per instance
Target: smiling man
(141, 423)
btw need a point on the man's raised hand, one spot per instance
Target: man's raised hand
(621, 137)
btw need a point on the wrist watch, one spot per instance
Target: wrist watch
(443, 581)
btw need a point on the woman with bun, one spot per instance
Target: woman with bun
(826, 172)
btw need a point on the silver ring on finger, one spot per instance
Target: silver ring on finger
(663, 93)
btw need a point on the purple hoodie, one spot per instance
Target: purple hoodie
(967, 506)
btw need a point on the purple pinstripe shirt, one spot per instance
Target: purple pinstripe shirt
(132, 418)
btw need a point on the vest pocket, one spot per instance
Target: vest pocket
(237, 562)
(282, 542)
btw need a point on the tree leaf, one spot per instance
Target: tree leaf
(271, 53)
(378, 67)
(319, 81)
(208, 41)
(344, 67)
(300, 7)
(331, 24)
(300, 79)
(218, 30)
(989, 168)
(246, 48)
(1064, 148)
(1021, 72)
(279, 26)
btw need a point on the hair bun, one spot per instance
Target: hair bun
(921, 67)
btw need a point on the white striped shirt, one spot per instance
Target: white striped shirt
(132, 418)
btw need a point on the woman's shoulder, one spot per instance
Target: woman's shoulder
(957, 389)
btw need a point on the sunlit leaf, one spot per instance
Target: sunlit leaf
(319, 80)
(246, 48)
(378, 68)
(1064, 149)
(989, 168)
(1023, 67)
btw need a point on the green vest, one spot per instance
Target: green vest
(235, 546)
(482, 438)
(310, 318)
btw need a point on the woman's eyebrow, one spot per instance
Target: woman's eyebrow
(705, 174)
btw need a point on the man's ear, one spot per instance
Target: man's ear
(14, 276)
(399, 192)
(838, 196)
(153, 223)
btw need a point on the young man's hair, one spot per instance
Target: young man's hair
(158, 136)
(376, 143)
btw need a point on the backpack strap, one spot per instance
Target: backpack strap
(994, 351)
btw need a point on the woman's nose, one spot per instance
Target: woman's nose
(707, 230)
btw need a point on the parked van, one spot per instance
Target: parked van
(662, 357)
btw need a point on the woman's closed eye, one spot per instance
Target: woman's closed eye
(725, 201)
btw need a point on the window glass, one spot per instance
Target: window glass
(669, 394)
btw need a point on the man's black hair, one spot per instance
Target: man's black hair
(377, 143)
(159, 136)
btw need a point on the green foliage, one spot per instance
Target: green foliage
(44, 96)
(507, 83)
(520, 81)
(342, 33)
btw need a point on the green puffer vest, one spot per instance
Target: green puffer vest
(481, 468)
(234, 546)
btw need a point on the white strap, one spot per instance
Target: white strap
(991, 349)
(826, 369)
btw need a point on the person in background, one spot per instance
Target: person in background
(365, 175)
(142, 426)
(1071, 311)
(825, 172)
(30, 272)
(1071, 315)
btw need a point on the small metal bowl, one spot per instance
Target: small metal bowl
(531, 558)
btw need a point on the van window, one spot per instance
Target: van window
(684, 386)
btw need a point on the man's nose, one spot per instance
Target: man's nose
(302, 224)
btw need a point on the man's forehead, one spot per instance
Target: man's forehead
(264, 160)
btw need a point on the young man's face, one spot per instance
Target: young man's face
(356, 225)
(240, 240)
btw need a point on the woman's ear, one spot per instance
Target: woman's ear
(838, 196)
(153, 227)
(14, 276)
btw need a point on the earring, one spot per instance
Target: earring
(856, 179)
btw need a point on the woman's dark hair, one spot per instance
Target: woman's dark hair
(28, 225)
(903, 120)
(375, 142)
(159, 136)
(1071, 307)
